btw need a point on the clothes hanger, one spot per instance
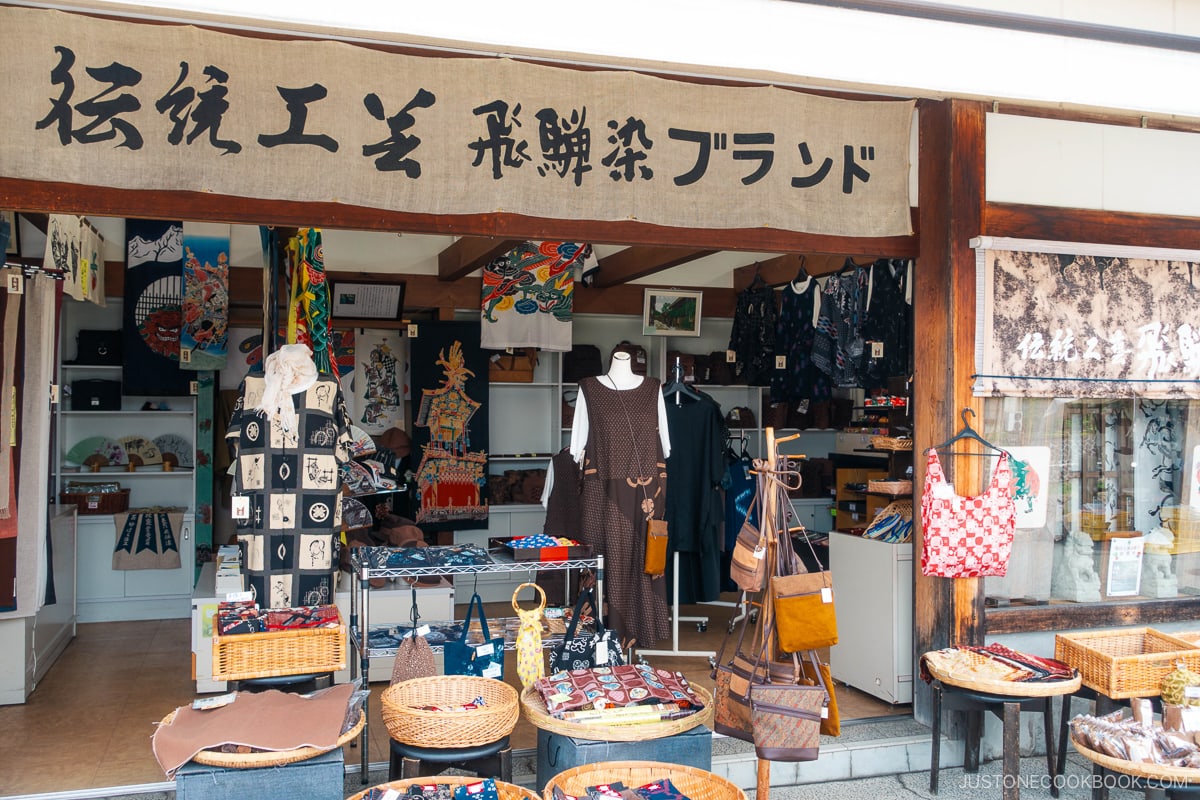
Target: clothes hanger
(757, 282)
(677, 387)
(801, 273)
(967, 432)
(849, 267)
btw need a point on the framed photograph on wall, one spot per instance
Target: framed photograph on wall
(353, 303)
(671, 312)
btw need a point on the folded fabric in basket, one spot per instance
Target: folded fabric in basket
(303, 617)
(607, 687)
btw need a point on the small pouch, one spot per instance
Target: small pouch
(656, 547)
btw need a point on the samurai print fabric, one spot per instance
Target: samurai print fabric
(290, 479)
(967, 537)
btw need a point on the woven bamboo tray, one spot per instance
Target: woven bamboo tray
(533, 708)
(696, 784)
(268, 758)
(507, 791)
(891, 443)
(955, 675)
(890, 487)
(240, 656)
(408, 722)
(1125, 663)
(1158, 772)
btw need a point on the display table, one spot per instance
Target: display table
(317, 778)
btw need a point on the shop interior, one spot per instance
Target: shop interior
(132, 659)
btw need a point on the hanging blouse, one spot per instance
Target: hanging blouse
(838, 345)
(967, 537)
(794, 335)
(887, 319)
(753, 335)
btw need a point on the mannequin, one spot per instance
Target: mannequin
(620, 376)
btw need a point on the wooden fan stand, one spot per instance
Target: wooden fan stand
(769, 518)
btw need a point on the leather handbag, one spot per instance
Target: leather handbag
(514, 367)
(805, 618)
(599, 649)
(786, 719)
(583, 361)
(484, 660)
(531, 662)
(656, 547)
(98, 347)
(747, 565)
(414, 656)
(637, 356)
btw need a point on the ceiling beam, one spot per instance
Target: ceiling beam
(782, 269)
(638, 262)
(469, 254)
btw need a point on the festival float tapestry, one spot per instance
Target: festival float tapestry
(379, 381)
(204, 336)
(153, 312)
(450, 425)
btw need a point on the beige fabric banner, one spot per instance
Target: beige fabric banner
(138, 106)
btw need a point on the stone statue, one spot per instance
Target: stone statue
(1075, 576)
(1158, 579)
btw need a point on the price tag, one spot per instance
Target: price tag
(493, 671)
(824, 712)
(241, 507)
(185, 357)
(760, 553)
(485, 649)
(239, 597)
(390, 794)
(602, 652)
(423, 630)
(876, 349)
(780, 362)
(826, 594)
(730, 357)
(15, 283)
(412, 330)
(203, 703)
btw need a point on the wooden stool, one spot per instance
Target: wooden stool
(486, 760)
(1008, 709)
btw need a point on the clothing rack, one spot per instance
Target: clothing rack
(701, 625)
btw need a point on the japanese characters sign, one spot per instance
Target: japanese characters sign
(1075, 320)
(136, 106)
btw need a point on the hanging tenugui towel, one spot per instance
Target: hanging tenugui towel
(308, 309)
(966, 537)
(378, 398)
(291, 432)
(528, 294)
(450, 426)
(147, 539)
(202, 341)
(153, 314)
(91, 257)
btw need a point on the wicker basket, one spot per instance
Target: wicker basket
(240, 656)
(894, 488)
(1158, 772)
(891, 443)
(1125, 663)
(268, 758)
(507, 791)
(96, 502)
(533, 708)
(408, 722)
(696, 784)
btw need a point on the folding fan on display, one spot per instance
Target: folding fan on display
(141, 451)
(174, 449)
(97, 451)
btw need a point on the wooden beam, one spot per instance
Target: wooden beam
(638, 262)
(68, 198)
(1087, 225)
(1084, 616)
(782, 269)
(469, 254)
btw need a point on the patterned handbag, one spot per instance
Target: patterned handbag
(414, 656)
(599, 649)
(786, 719)
(484, 660)
(531, 663)
(966, 537)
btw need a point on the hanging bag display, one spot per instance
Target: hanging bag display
(748, 567)
(786, 719)
(414, 656)
(804, 611)
(966, 537)
(484, 660)
(531, 662)
(585, 651)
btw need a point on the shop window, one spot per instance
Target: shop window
(1108, 496)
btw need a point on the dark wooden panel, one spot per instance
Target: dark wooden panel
(1085, 225)
(1070, 616)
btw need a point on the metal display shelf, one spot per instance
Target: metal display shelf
(501, 562)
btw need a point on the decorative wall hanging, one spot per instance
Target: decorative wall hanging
(92, 262)
(528, 295)
(147, 539)
(204, 336)
(378, 396)
(63, 246)
(153, 311)
(308, 309)
(450, 427)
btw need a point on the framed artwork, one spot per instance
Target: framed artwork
(352, 303)
(671, 312)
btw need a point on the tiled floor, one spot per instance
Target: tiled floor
(89, 722)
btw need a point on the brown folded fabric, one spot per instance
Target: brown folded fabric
(270, 720)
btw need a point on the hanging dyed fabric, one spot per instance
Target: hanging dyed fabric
(152, 316)
(794, 336)
(205, 333)
(753, 335)
(838, 344)
(887, 320)
(147, 539)
(308, 311)
(528, 294)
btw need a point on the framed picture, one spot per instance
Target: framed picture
(352, 303)
(671, 312)
(13, 248)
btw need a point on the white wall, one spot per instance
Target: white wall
(1085, 165)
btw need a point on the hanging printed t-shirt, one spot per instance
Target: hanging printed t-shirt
(291, 484)
(528, 293)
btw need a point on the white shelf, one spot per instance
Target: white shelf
(126, 413)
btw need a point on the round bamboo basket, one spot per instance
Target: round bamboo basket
(507, 791)
(408, 722)
(695, 783)
(533, 707)
(268, 758)
(1158, 772)
(956, 675)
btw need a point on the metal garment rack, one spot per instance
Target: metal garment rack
(502, 562)
(701, 625)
